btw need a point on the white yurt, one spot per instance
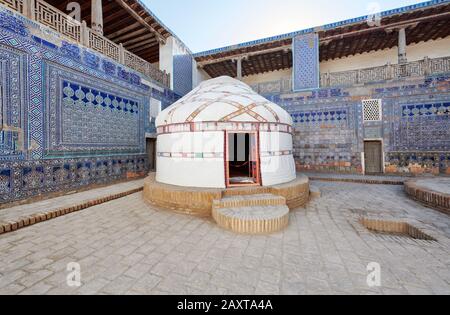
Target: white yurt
(223, 134)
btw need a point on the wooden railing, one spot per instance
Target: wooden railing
(104, 46)
(387, 72)
(57, 20)
(16, 5)
(42, 12)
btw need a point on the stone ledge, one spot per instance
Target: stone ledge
(359, 180)
(428, 197)
(55, 194)
(32, 219)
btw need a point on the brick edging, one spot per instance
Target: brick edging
(10, 226)
(427, 197)
(360, 181)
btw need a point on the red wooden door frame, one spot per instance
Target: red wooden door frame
(257, 158)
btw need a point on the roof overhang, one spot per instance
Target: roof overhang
(423, 22)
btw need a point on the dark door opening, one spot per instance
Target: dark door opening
(373, 157)
(242, 159)
(151, 154)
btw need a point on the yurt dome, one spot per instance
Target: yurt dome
(223, 134)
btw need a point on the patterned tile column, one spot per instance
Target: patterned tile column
(306, 62)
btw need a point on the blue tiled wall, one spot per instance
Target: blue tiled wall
(69, 117)
(415, 129)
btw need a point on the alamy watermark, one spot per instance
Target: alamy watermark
(374, 16)
(374, 276)
(74, 276)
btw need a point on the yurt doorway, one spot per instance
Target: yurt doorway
(242, 159)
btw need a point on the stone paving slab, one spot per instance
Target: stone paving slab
(129, 247)
(24, 215)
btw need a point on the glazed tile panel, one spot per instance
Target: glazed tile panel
(86, 115)
(306, 62)
(70, 117)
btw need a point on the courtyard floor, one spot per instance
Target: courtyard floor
(128, 247)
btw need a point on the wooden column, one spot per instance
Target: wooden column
(84, 34)
(402, 46)
(29, 9)
(239, 68)
(238, 61)
(97, 16)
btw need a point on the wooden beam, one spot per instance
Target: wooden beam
(125, 30)
(249, 54)
(138, 39)
(146, 47)
(390, 26)
(152, 40)
(124, 5)
(130, 35)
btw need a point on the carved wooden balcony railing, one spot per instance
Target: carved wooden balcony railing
(42, 12)
(16, 5)
(104, 46)
(57, 20)
(368, 75)
(387, 72)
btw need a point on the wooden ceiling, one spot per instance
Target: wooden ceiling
(126, 22)
(428, 24)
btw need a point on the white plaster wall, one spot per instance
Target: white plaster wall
(198, 75)
(276, 169)
(166, 58)
(191, 172)
(173, 47)
(267, 76)
(431, 49)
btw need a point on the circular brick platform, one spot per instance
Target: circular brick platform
(199, 201)
(252, 220)
(431, 192)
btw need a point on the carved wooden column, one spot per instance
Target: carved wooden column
(97, 16)
(239, 68)
(29, 9)
(402, 46)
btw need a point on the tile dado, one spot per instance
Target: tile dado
(26, 179)
(415, 129)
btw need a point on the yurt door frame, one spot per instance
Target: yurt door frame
(253, 163)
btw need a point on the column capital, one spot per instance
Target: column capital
(239, 58)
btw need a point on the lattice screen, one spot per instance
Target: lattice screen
(372, 110)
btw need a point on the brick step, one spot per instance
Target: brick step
(252, 220)
(246, 191)
(249, 201)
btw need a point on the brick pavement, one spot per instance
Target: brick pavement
(127, 247)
